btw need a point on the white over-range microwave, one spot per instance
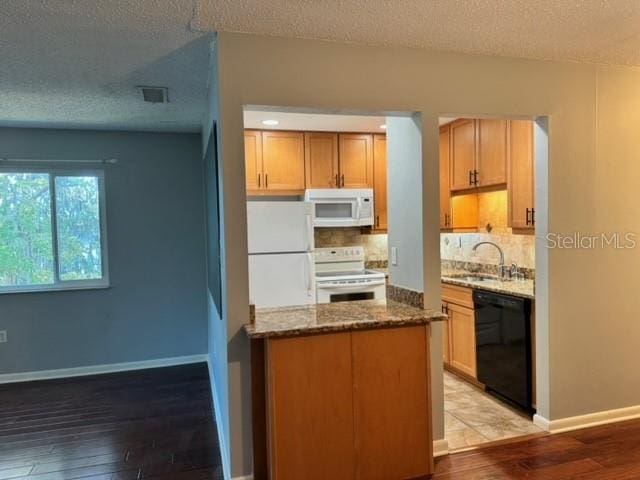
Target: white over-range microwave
(341, 207)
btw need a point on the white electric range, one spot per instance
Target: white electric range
(341, 276)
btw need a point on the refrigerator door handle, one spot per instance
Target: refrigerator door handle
(309, 272)
(309, 232)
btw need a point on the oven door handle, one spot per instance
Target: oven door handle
(345, 286)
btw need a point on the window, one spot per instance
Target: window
(52, 230)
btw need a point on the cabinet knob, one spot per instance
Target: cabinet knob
(343, 179)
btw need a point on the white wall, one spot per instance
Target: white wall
(593, 172)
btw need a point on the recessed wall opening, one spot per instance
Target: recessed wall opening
(318, 205)
(490, 193)
(336, 213)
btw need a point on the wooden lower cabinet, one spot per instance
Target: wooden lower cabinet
(446, 352)
(460, 334)
(463, 339)
(310, 407)
(349, 405)
(391, 380)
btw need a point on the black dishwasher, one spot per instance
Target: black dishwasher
(503, 346)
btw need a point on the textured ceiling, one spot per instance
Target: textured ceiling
(76, 63)
(602, 31)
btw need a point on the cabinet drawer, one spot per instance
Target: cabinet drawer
(462, 296)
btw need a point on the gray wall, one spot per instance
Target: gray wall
(156, 306)
(218, 355)
(404, 150)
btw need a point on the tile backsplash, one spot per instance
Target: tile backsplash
(517, 248)
(375, 245)
(493, 226)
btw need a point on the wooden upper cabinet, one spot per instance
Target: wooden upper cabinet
(380, 181)
(521, 175)
(356, 160)
(462, 338)
(463, 154)
(491, 162)
(321, 160)
(310, 407)
(393, 432)
(283, 161)
(445, 194)
(253, 158)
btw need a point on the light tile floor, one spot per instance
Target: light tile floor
(473, 417)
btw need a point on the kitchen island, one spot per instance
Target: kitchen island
(342, 391)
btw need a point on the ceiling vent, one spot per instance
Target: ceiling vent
(155, 94)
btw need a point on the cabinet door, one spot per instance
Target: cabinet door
(391, 403)
(446, 352)
(464, 212)
(380, 181)
(310, 405)
(492, 152)
(463, 154)
(445, 194)
(321, 160)
(253, 159)
(356, 160)
(283, 161)
(521, 174)
(462, 334)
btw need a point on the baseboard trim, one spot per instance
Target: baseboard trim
(541, 422)
(247, 477)
(589, 420)
(226, 468)
(99, 369)
(440, 447)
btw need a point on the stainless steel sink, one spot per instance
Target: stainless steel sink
(477, 277)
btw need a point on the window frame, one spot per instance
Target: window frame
(58, 284)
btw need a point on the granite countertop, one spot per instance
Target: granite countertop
(517, 288)
(335, 317)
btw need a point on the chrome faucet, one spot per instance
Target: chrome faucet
(502, 268)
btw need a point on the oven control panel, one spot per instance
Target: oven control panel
(339, 254)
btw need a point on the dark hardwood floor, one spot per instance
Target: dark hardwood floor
(609, 452)
(159, 424)
(134, 425)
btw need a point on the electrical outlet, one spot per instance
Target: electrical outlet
(3, 336)
(394, 255)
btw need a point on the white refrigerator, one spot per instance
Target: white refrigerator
(281, 259)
